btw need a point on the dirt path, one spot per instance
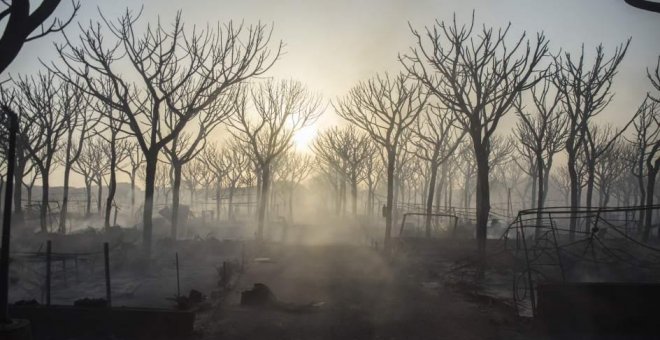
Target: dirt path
(364, 298)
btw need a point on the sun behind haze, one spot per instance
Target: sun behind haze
(331, 45)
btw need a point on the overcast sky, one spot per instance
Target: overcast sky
(330, 45)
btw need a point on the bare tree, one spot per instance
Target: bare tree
(345, 150)
(385, 107)
(436, 140)
(89, 164)
(542, 134)
(648, 128)
(42, 104)
(185, 146)
(599, 141)
(116, 151)
(280, 109)
(191, 176)
(585, 93)
(215, 160)
(237, 161)
(78, 127)
(609, 169)
(373, 171)
(24, 165)
(176, 75)
(135, 161)
(22, 25)
(294, 169)
(477, 75)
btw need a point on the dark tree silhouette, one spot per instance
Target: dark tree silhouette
(385, 107)
(166, 75)
(541, 131)
(585, 91)
(215, 159)
(345, 150)
(280, 108)
(186, 145)
(436, 140)
(478, 75)
(22, 25)
(294, 168)
(42, 106)
(135, 161)
(90, 163)
(79, 127)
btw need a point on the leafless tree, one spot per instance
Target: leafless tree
(135, 161)
(610, 167)
(186, 145)
(585, 92)
(373, 172)
(191, 176)
(647, 156)
(176, 74)
(541, 133)
(79, 126)
(345, 150)
(41, 103)
(116, 151)
(163, 180)
(24, 165)
(477, 75)
(294, 169)
(215, 160)
(237, 163)
(90, 163)
(599, 141)
(385, 107)
(562, 181)
(436, 140)
(280, 108)
(21, 25)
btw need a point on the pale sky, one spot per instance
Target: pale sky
(331, 45)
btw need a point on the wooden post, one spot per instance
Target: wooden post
(178, 287)
(48, 274)
(6, 218)
(106, 255)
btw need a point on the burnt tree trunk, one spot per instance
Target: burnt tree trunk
(483, 198)
(112, 184)
(43, 210)
(354, 194)
(650, 189)
(151, 159)
(21, 163)
(99, 199)
(176, 190)
(263, 202)
(391, 159)
(88, 191)
(574, 193)
(429, 199)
